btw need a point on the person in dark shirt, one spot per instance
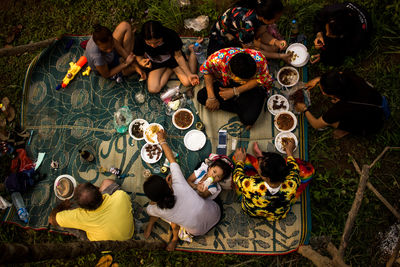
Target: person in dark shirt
(158, 49)
(357, 105)
(341, 30)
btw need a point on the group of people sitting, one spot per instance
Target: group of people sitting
(237, 80)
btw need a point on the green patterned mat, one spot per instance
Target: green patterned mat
(81, 117)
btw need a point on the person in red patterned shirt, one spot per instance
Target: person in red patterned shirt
(237, 80)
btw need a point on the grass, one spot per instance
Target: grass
(335, 183)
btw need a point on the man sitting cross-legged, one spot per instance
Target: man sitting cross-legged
(104, 213)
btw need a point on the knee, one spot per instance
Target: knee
(153, 89)
(186, 82)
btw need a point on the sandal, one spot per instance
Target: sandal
(105, 261)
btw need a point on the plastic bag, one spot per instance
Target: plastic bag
(122, 118)
(289, 92)
(197, 24)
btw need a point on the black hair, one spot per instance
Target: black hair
(101, 34)
(267, 9)
(88, 196)
(226, 168)
(273, 166)
(243, 65)
(340, 23)
(157, 189)
(152, 29)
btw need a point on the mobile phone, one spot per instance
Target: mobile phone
(222, 140)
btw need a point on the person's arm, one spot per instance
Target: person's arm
(227, 93)
(161, 136)
(107, 73)
(191, 180)
(212, 102)
(314, 122)
(238, 172)
(65, 205)
(204, 194)
(193, 78)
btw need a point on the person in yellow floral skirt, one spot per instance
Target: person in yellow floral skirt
(272, 191)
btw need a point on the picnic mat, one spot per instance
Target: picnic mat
(80, 116)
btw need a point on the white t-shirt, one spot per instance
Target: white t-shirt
(191, 211)
(213, 188)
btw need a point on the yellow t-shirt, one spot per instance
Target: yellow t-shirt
(113, 220)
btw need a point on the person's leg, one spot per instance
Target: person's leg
(256, 150)
(124, 35)
(157, 79)
(249, 105)
(175, 238)
(108, 186)
(182, 76)
(149, 226)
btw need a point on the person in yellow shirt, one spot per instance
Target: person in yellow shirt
(104, 213)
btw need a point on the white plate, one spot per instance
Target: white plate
(69, 177)
(194, 140)
(278, 141)
(279, 98)
(180, 110)
(289, 113)
(151, 136)
(142, 127)
(295, 79)
(302, 55)
(146, 157)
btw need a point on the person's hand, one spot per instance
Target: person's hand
(229, 36)
(226, 93)
(142, 73)
(315, 58)
(161, 136)
(129, 59)
(212, 104)
(286, 57)
(311, 84)
(240, 154)
(194, 79)
(319, 41)
(300, 107)
(201, 187)
(280, 44)
(290, 146)
(257, 43)
(168, 179)
(145, 63)
(248, 45)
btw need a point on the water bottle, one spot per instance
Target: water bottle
(199, 52)
(294, 29)
(206, 183)
(20, 206)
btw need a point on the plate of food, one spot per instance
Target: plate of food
(282, 139)
(150, 133)
(288, 76)
(194, 140)
(277, 103)
(300, 55)
(183, 118)
(137, 127)
(151, 153)
(64, 186)
(285, 121)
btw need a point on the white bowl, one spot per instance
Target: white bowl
(180, 110)
(194, 140)
(279, 98)
(278, 141)
(302, 54)
(71, 179)
(288, 113)
(150, 136)
(146, 158)
(294, 80)
(142, 127)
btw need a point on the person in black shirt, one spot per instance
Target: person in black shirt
(158, 49)
(341, 30)
(357, 105)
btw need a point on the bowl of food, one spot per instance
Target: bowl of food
(150, 133)
(300, 55)
(64, 186)
(288, 76)
(137, 127)
(281, 140)
(151, 153)
(285, 121)
(183, 118)
(277, 103)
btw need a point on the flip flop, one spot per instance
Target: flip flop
(105, 261)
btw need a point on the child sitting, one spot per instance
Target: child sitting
(217, 167)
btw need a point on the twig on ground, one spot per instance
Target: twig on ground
(12, 51)
(380, 155)
(384, 201)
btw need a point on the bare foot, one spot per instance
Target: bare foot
(172, 245)
(147, 231)
(337, 134)
(256, 150)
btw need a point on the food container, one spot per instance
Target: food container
(285, 121)
(137, 128)
(150, 133)
(64, 186)
(183, 118)
(300, 55)
(280, 138)
(288, 76)
(277, 103)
